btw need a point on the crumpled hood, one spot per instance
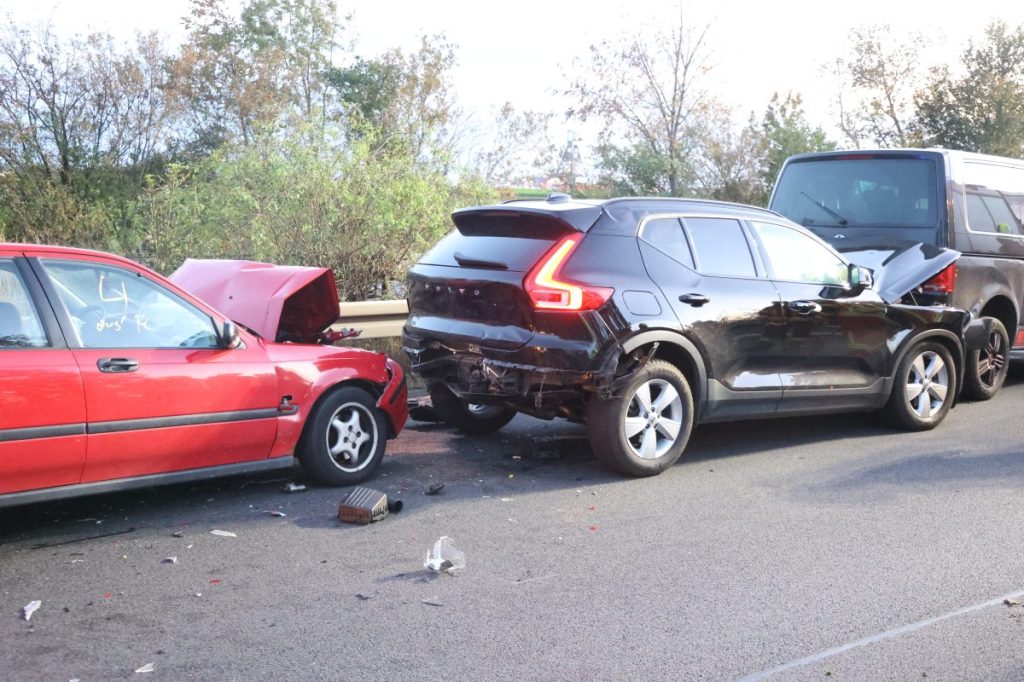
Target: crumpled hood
(279, 302)
(901, 268)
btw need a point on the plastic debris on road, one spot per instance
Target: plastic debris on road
(223, 533)
(272, 512)
(436, 601)
(366, 505)
(364, 596)
(434, 489)
(148, 668)
(170, 560)
(28, 609)
(1009, 601)
(293, 487)
(444, 557)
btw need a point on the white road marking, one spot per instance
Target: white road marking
(888, 634)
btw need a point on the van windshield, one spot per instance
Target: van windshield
(859, 191)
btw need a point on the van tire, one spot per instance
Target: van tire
(985, 369)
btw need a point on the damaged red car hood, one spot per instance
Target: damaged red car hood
(279, 302)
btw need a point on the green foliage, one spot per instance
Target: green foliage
(786, 131)
(982, 110)
(366, 212)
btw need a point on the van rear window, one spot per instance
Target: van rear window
(866, 192)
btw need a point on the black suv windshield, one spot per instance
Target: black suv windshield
(856, 191)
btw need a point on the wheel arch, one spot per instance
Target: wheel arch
(681, 352)
(368, 386)
(1003, 309)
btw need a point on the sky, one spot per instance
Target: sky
(523, 52)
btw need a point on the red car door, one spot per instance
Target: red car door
(42, 405)
(161, 394)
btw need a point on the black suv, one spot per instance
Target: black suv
(642, 317)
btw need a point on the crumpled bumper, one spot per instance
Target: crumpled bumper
(394, 399)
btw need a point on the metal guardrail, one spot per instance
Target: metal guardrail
(376, 319)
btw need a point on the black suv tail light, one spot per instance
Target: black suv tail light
(548, 292)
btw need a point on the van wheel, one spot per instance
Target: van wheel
(924, 387)
(643, 431)
(986, 367)
(470, 418)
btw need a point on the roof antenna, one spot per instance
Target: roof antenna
(558, 198)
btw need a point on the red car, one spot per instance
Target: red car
(112, 376)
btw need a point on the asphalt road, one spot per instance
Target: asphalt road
(799, 549)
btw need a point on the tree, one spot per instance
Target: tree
(239, 73)
(515, 145)
(407, 96)
(786, 131)
(645, 88)
(876, 85)
(983, 109)
(68, 109)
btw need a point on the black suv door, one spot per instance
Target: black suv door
(834, 342)
(706, 270)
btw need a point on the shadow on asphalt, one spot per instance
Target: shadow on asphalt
(508, 462)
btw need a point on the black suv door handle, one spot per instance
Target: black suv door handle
(696, 300)
(117, 365)
(804, 307)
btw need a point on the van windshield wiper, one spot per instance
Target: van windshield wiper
(826, 209)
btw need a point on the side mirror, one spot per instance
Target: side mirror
(860, 278)
(229, 337)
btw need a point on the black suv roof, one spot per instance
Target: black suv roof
(622, 213)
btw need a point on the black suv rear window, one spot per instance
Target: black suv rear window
(857, 191)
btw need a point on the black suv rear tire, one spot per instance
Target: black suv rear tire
(656, 409)
(986, 368)
(474, 420)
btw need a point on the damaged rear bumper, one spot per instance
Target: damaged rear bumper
(545, 380)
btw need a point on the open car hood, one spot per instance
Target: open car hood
(900, 269)
(279, 302)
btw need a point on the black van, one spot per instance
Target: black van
(873, 205)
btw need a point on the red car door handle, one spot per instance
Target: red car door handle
(117, 365)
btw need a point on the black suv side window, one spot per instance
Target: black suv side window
(666, 235)
(720, 247)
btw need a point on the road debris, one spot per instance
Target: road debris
(444, 557)
(178, 534)
(28, 609)
(293, 487)
(273, 512)
(223, 533)
(436, 601)
(170, 560)
(1010, 601)
(434, 489)
(422, 410)
(366, 505)
(148, 668)
(365, 596)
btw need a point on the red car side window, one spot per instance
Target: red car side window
(111, 307)
(20, 326)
